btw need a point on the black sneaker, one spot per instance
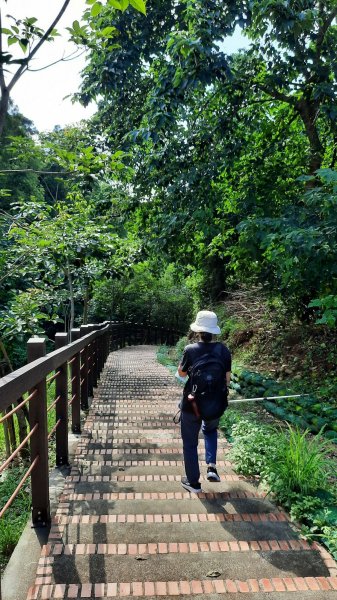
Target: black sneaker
(191, 487)
(212, 474)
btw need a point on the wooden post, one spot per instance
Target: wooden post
(95, 358)
(84, 372)
(61, 391)
(91, 351)
(36, 348)
(105, 347)
(100, 356)
(75, 334)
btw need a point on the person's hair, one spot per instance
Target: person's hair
(205, 336)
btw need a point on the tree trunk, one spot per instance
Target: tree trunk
(86, 303)
(4, 102)
(215, 278)
(308, 112)
(71, 296)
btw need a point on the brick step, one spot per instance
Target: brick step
(87, 464)
(85, 568)
(165, 438)
(164, 453)
(108, 411)
(121, 387)
(99, 431)
(147, 434)
(148, 397)
(146, 478)
(208, 517)
(181, 494)
(267, 533)
(307, 588)
(137, 468)
(59, 547)
(155, 487)
(122, 408)
(121, 504)
(145, 443)
(108, 421)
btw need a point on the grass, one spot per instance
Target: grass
(304, 467)
(15, 518)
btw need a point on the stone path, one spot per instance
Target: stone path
(125, 527)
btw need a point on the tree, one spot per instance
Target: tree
(29, 37)
(292, 60)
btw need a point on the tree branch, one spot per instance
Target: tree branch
(63, 59)
(32, 53)
(277, 95)
(56, 173)
(2, 76)
(322, 31)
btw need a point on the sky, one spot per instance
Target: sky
(41, 95)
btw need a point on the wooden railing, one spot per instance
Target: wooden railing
(75, 367)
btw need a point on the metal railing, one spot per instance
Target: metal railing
(75, 367)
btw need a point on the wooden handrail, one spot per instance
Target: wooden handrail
(85, 369)
(14, 385)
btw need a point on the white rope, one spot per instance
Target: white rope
(266, 398)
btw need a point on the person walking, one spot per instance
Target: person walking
(207, 364)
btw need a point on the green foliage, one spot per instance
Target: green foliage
(147, 295)
(301, 464)
(304, 508)
(16, 517)
(253, 444)
(293, 465)
(327, 306)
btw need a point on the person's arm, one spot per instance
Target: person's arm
(184, 364)
(228, 363)
(181, 372)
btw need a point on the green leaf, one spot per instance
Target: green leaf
(305, 178)
(76, 26)
(96, 9)
(115, 4)
(107, 31)
(139, 5)
(124, 4)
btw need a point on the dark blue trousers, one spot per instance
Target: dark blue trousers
(190, 428)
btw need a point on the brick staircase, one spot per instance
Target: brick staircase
(126, 528)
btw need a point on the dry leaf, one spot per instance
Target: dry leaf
(213, 574)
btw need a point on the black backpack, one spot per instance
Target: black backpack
(207, 384)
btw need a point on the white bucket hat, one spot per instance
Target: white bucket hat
(206, 321)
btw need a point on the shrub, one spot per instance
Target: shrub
(300, 464)
(253, 445)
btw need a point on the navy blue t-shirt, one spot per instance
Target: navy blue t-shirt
(193, 352)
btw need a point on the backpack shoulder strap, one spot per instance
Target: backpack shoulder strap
(213, 356)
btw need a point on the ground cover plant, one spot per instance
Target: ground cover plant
(305, 411)
(293, 466)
